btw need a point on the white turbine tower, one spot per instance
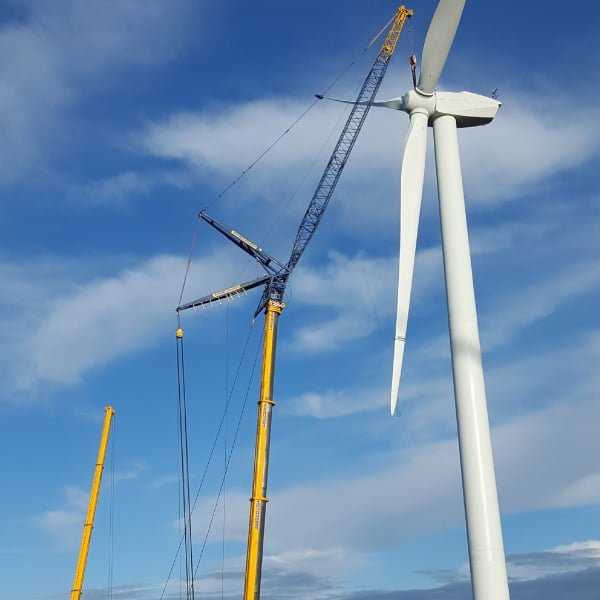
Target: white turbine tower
(446, 112)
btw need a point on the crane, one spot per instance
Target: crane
(89, 520)
(274, 283)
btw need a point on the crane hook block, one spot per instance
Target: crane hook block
(179, 333)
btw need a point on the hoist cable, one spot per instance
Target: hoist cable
(211, 453)
(182, 466)
(184, 455)
(180, 519)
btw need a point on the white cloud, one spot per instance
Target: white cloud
(523, 307)
(105, 319)
(65, 524)
(336, 403)
(114, 190)
(61, 324)
(79, 323)
(354, 295)
(569, 558)
(330, 515)
(528, 145)
(545, 458)
(353, 291)
(118, 190)
(62, 50)
(589, 547)
(223, 142)
(327, 563)
(230, 138)
(132, 472)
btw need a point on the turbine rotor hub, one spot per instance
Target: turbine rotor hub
(414, 100)
(469, 110)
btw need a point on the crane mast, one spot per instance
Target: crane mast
(275, 281)
(89, 520)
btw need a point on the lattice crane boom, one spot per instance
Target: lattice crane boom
(278, 273)
(347, 139)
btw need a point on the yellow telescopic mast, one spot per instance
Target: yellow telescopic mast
(89, 520)
(258, 502)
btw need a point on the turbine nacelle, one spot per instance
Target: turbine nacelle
(469, 110)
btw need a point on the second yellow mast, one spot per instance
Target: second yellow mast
(89, 519)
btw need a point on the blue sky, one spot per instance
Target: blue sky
(119, 121)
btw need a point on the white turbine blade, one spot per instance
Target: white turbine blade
(438, 42)
(411, 191)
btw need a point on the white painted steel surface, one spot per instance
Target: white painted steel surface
(438, 42)
(486, 549)
(411, 191)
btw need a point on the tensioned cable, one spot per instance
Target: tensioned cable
(235, 435)
(279, 215)
(185, 478)
(225, 452)
(308, 171)
(299, 118)
(274, 143)
(111, 516)
(293, 195)
(211, 453)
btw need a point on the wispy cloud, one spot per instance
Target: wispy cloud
(336, 403)
(114, 191)
(529, 147)
(574, 581)
(534, 472)
(62, 50)
(115, 314)
(523, 307)
(130, 472)
(352, 291)
(64, 524)
(570, 558)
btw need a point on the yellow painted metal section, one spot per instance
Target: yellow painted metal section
(258, 501)
(89, 520)
(394, 33)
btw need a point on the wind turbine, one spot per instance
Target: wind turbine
(445, 112)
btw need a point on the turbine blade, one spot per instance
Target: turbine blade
(438, 42)
(411, 191)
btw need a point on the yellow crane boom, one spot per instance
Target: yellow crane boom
(89, 520)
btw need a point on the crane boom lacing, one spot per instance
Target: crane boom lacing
(347, 139)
